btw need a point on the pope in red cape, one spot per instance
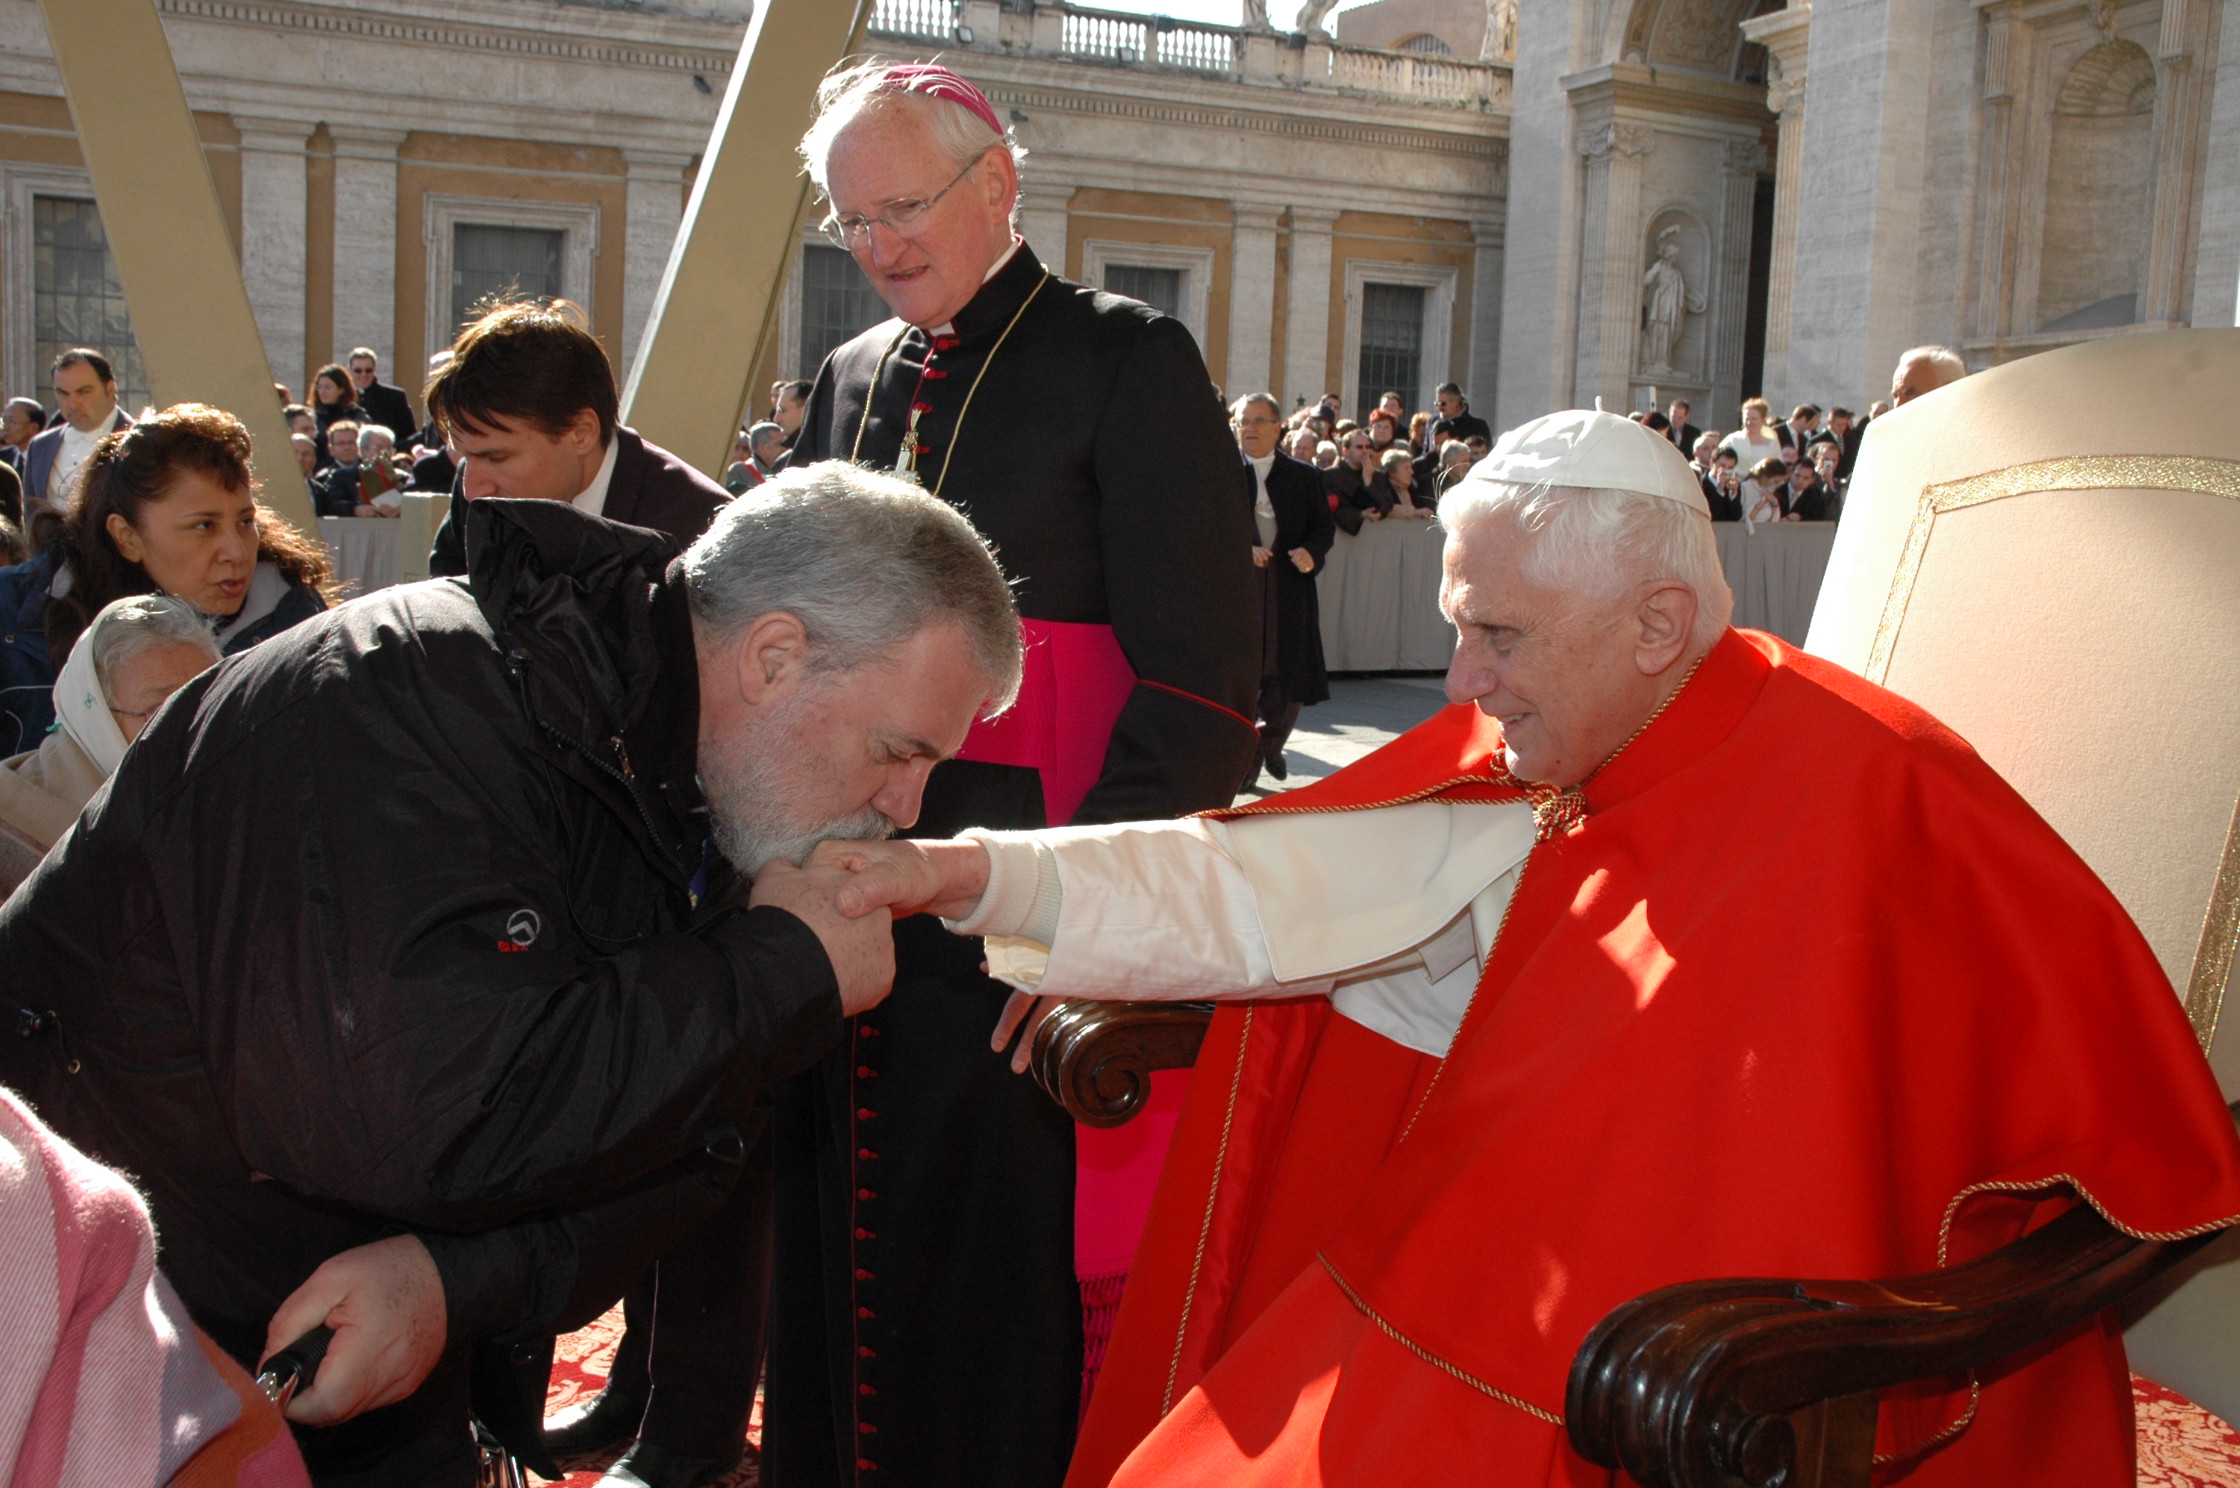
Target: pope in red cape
(1789, 983)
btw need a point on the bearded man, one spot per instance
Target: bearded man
(1523, 1037)
(918, 1177)
(412, 963)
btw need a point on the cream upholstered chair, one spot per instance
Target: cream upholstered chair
(2047, 557)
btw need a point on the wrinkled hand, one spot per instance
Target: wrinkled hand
(1021, 1007)
(385, 1304)
(860, 946)
(1301, 560)
(1260, 557)
(906, 878)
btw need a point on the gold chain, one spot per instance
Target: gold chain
(855, 452)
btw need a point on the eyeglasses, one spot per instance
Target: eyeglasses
(1256, 423)
(905, 218)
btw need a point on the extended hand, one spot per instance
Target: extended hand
(385, 1304)
(1021, 1007)
(860, 946)
(1260, 557)
(906, 878)
(1301, 560)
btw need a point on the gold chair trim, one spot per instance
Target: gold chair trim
(2220, 924)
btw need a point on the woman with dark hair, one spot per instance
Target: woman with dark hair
(334, 397)
(168, 506)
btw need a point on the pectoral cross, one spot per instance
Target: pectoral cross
(906, 465)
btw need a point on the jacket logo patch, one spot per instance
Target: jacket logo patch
(521, 930)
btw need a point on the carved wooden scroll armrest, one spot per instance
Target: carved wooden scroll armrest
(1096, 1058)
(1774, 1382)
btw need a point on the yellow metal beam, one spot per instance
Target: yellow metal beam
(718, 302)
(182, 279)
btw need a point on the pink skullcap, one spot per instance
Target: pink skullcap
(940, 82)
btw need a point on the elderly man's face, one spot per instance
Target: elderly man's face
(1257, 427)
(889, 156)
(791, 757)
(18, 427)
(1913, 379)
(771, 450)
(142, 681)
(307, 453)
(1563, 673)
(1302, 445)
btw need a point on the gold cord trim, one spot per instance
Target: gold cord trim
(1205, 1225)
(855, 451)
(1929, 1444)
(1952, 1211)
(1428, 1357)
(2220, 929)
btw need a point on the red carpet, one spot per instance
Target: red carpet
(2180, 1444)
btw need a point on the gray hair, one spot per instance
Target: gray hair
(762, 431)
(1599, 543)
(851, 91)
(1236, 409)
(863, 561)
(139, 623)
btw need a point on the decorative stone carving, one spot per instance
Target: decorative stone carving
(1695, 32)
(1668, 302)
(1312, 15)
(1746, 157)
(1501, 32)
(1256, 16)
(1605, 140)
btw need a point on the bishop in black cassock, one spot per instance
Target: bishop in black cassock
(927, 1326)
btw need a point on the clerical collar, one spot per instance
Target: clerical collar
(1001, 294)
(949, 327)
(1263, 464)
(593, 498)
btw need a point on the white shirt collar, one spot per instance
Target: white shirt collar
(1262, 465)
(593, 498)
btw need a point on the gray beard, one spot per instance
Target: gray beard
(748, 817)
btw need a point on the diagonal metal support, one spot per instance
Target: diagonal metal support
(182, 279)
(718, 302)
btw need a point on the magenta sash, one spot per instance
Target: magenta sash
(1075, 683)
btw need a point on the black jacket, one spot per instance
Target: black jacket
(1303, 520)
(650, 488)
(450, 978)
(389, 407)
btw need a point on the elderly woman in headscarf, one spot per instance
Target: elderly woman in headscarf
(136, 653)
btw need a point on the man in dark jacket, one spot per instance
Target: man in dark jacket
(1293, 531)
(529, 401)
(446, 1039)
(385, 405)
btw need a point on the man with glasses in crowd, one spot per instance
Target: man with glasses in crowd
(930, 1330)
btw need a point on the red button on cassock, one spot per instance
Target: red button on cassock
(866, 1235)
(867, 1428)
(865, 1312)
(866, 1072)
(865, 1390)
(865, 1193)
(863, 1275)
(867, 1154)
(865, 1113)
(866, 1464)
(864, 1353)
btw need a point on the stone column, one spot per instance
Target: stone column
(1785, 34)
(1481, 375)
(2177, 109)
(1252, 299)
(653, 206)
(273, 246)
(1746, 160)
(2216, 274)
(1306, 322)
(1998, 172)
(1612, 263)
(365, 242)
(1043, 205)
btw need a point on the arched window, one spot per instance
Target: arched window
(2099, 187)
(1425, 42)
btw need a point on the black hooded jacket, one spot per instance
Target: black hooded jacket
(388, 925)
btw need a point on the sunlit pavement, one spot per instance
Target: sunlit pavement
(1362, 714)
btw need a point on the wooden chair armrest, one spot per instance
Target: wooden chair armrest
(1774, 1382)
(1096, 1058)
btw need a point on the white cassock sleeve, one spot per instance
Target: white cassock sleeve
(1390, 912)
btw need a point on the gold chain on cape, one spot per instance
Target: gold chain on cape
(855, 451)
(1559, 810)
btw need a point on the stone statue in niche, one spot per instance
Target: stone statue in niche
(1501, 32)
(1669, 303)
(1312, 15)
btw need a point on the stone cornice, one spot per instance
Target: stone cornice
(661, 43)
